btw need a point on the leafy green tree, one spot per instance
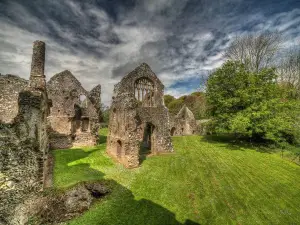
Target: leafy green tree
(251, 104)
(195, 102)
(168, 99)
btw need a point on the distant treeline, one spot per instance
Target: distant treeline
(195, 102)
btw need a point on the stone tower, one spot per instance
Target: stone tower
(37, 77)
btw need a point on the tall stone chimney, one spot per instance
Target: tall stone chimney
(37, 77)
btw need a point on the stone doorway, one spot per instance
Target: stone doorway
(146, 145)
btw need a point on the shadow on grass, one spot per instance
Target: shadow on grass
(120, 206)
(238, 144)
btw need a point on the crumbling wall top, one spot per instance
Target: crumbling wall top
(185, 113)
(65, 91)
(143, 71)
(10, 87)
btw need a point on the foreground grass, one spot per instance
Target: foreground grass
(205, 182)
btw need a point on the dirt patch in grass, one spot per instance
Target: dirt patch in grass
(53, 207)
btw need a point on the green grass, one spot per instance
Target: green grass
(205, 181)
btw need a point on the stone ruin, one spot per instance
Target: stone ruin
(139, 120)
(184, 123)
(75, 113)
(29, 121)
(23, 134)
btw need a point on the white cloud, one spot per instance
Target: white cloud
(98, 48)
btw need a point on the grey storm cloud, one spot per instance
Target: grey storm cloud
(101, 41)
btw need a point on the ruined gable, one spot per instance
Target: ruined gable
(185, 113)
(139, 120)
(65, 91)
(183, 123)
(74, 115)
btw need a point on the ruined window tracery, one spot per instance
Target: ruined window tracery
(144, 91)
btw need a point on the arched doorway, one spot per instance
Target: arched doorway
(119, 148)
(173, 131)
(147, 143)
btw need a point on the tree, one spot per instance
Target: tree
(289, 73)
(104, 113)
(195, 102)
(250, 104)
(168, 99)
(255, 51)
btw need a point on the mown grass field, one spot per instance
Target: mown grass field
(204, 182)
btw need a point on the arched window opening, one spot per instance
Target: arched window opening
(144, 91)
(119, 148)
(173, 131)
(83, 101)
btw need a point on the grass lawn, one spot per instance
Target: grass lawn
(204, 182)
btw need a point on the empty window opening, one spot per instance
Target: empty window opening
(119, 148)
(173, 131)
(144, 91)
(78, 112)
(85, 125)
(83, 101)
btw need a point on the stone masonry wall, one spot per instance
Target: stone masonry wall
(23, 148)
(138, 118)
(11, 86)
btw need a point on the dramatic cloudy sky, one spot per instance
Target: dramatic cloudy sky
(100, 41)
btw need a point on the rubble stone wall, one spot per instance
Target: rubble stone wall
(23, 144)
(11, 86)
(136, 123)
(74, 116)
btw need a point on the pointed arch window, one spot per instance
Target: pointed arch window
(144, 91)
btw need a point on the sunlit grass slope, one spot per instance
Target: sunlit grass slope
(204, 182)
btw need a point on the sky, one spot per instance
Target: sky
(100, 41)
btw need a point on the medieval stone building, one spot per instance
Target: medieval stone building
(75, 113)
(24, 109)
(32, 115)
(183, 123)
(139, 120)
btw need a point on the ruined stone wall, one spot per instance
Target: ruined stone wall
(95, 97)
(23, 149)
(131, 118)
(11, 86)
(183, 123)
(74, 116)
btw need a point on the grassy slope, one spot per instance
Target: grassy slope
(205, 182)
